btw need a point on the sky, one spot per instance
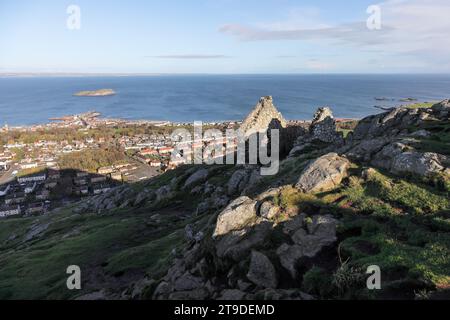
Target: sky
(225, 36)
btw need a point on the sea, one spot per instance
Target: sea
(186, 98)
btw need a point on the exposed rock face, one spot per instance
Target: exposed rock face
(323, 174)
(237, 182)
(119, 197)
(261, 271)
(239, 214)
(399, 159)
(262, 116)
(36, 231)
(196, 178)
(308, 241)
(386, 141)
(443, 109)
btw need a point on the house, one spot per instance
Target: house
(35, 208)
(3, 166)
(80, 181)
(9, 211)
(15, 198)
(33, 178)
(165, 150)
(82, 174)
(97, 179)
(43, 194)
(116, 176)
(5, 191)
(120, 166)
(51, 184)
(155, 164)
(25, 166)
(54, 175)
(29, 188)
(99, 189)
(105, 170)
(149, 152)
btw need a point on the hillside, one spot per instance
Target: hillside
(378, 197)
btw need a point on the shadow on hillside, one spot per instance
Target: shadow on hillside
(47, 189)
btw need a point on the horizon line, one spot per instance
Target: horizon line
(144, 74)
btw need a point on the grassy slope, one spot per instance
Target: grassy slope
(111, 250)
(400, 224)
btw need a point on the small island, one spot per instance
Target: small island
(96, 93)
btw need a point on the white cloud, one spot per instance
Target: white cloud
(415, 29)
(191, 56)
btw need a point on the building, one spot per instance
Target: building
(149, 152)
(5, 191)
(80, 181)
(54, 175)
(116, 176)
(165, 150)
(36, 208)
(10, 211)
(98, 179)
(43, 194)
(33, 178)
(82, 174)
(51, 184)
(30, 187)
(3, 166)
(155, 164)
(99, 189)
(82, 191)
(15, 198)
(105, 170)
(25, 166)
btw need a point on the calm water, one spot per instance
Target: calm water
(25, 101)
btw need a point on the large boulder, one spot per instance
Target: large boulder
(196, 178)
(261, 271)
(237, 182)
(365, 150)
(308, 238)
(237, 245)
(442, 109)
(416, 163)
(399, 159)
(239, 214)
(324, 173)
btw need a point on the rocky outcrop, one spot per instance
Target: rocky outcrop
(239, 214)
(388, 141)
(196, 178)
(324, 173)
(309, 239)
(261, 271)
(264, 114)
(399, 159)
(237, 182)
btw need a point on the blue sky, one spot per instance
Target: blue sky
(225, 36)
